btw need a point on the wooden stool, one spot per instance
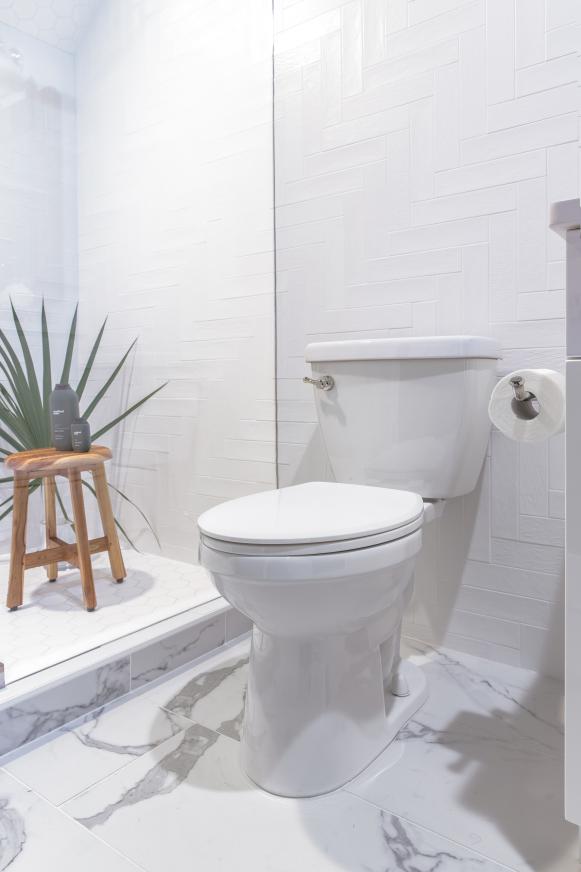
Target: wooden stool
(47, 463)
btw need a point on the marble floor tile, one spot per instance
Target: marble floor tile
(74, 759)
(210, 693)
(481, 763)
(189, 801)
(36, 837)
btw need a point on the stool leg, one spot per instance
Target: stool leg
(18, 549)
(83, 553)
(50, 521)
(108, 521)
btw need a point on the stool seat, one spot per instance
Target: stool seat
(48, 461)
(46, 464)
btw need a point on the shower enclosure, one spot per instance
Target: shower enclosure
(136, 177)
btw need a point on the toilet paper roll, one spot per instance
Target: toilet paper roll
(548, 387)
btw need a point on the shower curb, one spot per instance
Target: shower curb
(33, 707)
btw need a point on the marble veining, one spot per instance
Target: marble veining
(210, 695)
(160, 658)
(405, 854)
(164, 776)
(94, 749)
(25, 722)
(472, 783)
(12, 833)
(37, 837)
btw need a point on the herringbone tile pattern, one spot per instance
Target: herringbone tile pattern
(418, 146)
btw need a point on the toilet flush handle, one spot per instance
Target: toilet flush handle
(325, 383)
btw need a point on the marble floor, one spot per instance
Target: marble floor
(51, 626)
(474, 782)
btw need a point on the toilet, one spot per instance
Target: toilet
(324, 570)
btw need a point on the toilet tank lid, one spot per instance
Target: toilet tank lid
(402, 347)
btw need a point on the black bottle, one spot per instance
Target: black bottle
(64, 407)
(80, 435)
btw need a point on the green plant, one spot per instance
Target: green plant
(24, 409)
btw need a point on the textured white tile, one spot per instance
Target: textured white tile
(522, 609)
(484, 202)
(498, 172)
(484, 628)
(527, 137)
(412, 64)
(504, 485)
(557, 472)
(502, 275)
(529, 32)
(454, 249)
(544, 104)
(526, 555)
(542, 649)
(448, 234)
(551, 74)
(507, 579)
(556, 504)
(473, 106)
(427, 33)
(351, 48)
(374, 31)
(562, 40)
(562, 172)
(545, 304)
(547, 531)
(500, 50)
(421, 151)
(532, 235)
(561, 12)
(447, 118)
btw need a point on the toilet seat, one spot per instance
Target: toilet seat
(310, 519)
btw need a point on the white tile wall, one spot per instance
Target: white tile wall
(176, 244)
(38, 230)
(419, 144)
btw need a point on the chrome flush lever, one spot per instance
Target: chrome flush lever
(325, 383)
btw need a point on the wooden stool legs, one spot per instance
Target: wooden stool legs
(83, 552)
(18, 549)
(108, 521)
(49, 488)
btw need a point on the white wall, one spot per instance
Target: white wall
(418, 145)
(38, 231)
(175, 178)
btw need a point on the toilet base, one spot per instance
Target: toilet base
(324, 718)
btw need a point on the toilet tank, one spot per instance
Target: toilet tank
(408, 413)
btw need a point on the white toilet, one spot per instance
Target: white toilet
(325, 570)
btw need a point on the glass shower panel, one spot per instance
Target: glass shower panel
(138, 181)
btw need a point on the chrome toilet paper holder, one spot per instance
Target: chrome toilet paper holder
(524, 404)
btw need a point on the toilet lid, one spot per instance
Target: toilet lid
(316, 512)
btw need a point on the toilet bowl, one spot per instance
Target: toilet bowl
(325, 570)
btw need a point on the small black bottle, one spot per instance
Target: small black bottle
(80, 435)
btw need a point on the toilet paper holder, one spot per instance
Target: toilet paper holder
(524, 404)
